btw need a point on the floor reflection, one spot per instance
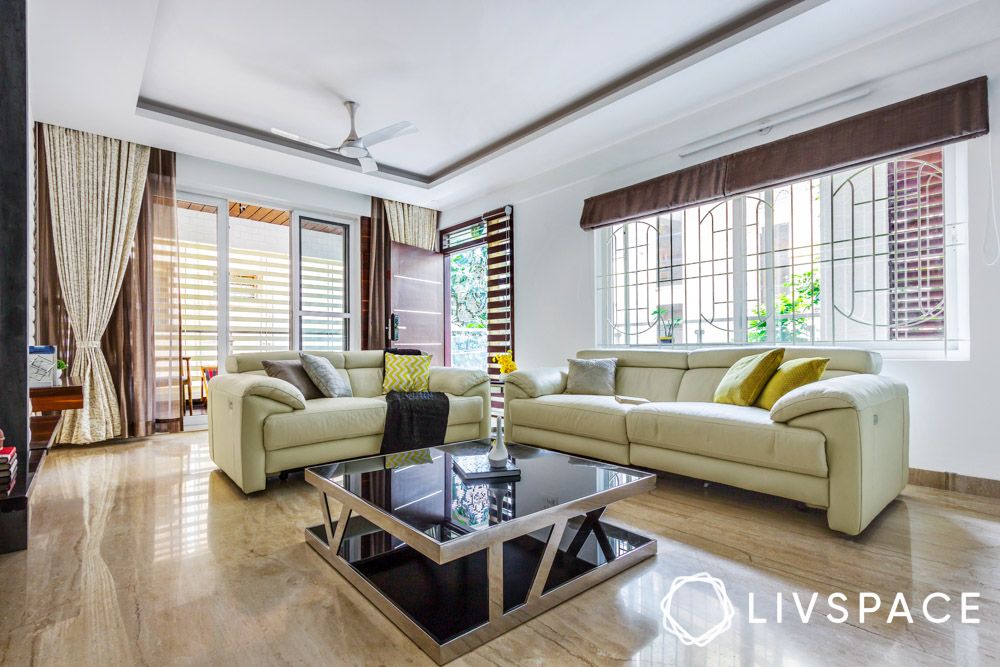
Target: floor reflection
(146, 554)
(181, 524)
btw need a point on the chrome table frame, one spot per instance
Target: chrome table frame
(490, 539)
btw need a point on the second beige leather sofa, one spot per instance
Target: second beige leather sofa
(840, 444)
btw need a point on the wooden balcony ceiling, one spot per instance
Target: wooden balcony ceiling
(262, 213)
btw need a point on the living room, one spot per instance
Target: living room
(459, 333)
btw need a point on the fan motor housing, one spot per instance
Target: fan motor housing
(353, 149)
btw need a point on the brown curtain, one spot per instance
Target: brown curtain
(951, 114)
(162, 255)
(143, 333)
(142, 340)
(375, 266)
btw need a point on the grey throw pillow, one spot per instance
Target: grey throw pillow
(293, 373)
(326, 377)
(595, 377)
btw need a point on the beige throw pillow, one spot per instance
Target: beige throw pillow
(325, 376)
(595, 377)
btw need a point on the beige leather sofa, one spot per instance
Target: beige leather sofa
(259, 425)
(839, 444)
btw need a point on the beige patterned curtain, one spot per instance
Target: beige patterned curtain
(412, 225)
(95, 192)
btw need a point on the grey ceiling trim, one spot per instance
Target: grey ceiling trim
(220, 127)
(728, 35)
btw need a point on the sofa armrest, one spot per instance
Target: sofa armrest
(539, 381)
(857, 392)
(865, 420)
(238, 406)
(246, 384)
(456, 381)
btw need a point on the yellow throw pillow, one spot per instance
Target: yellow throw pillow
(745, 379)
(791, 375)
(406, 372)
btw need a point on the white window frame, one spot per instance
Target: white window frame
(297, 313)
(352, 223)
(955, 345)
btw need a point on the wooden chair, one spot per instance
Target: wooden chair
(186, 389)
(207, 373)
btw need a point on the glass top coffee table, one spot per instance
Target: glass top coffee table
(454, 564)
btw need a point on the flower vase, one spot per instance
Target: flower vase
(498, 452)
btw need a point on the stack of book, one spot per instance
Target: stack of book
(8, 469)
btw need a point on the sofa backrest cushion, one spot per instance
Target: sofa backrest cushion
(654, 384)
(682, 375)
(651, 374)
(845, 360)
(676, 359)
(363, 368)
(699, 384)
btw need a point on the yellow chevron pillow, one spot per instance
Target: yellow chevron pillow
(406, 372)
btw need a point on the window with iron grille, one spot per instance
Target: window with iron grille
(863, 257)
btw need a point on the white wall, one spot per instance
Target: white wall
(955, 423)
(955, 405)
(205, 177)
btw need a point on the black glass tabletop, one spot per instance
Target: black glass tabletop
(440, 491)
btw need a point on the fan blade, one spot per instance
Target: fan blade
(368, 164)
(386, 133)
(302, 140)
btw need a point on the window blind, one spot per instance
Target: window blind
(500, 289)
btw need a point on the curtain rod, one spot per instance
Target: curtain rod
(497, 213)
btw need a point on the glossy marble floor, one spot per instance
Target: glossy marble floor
(144, 554)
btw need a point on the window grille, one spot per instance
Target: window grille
(860, 257)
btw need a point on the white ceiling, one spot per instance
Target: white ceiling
(466, 72)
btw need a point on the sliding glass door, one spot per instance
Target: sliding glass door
(259, 279)
(322, 312)
(255, 278)
(198, 279)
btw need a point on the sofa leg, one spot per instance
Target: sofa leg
(283, 475)
(806, 507)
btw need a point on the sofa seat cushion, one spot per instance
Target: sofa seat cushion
(464, 409)
(730, 432)
(595, 417)
(326, 419)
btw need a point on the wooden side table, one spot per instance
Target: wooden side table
(51, 402)
(48, 403)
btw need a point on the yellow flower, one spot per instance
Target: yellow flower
(506, 361)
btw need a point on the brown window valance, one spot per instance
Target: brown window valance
(943, 116)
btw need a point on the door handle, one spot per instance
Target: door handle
(394, 327)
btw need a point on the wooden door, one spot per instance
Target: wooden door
(417, 299)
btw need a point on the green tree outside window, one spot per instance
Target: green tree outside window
(791, 325)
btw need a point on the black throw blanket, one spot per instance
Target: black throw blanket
(414, 420)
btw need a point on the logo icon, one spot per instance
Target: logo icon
(670, 623)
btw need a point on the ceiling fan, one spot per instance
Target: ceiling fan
(353, 146)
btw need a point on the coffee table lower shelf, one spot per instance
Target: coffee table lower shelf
(445, 608)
